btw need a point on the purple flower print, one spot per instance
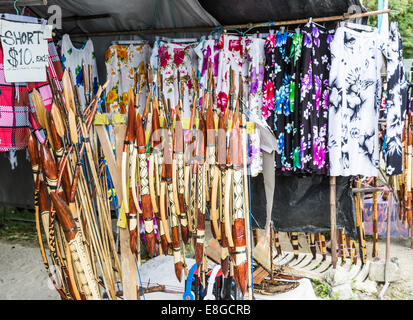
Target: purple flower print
(207, 54)
(329, 38)
(254, 81)
(326, 96)
(261, 73)
(307, 40)
(317, 85)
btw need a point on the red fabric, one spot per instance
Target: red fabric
(17, 116)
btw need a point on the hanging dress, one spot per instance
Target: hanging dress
(354, 103)
(255, 57)
(277, 78)
(295, 64)
(124, 65)
(396, 101)
(314, 101)
(72, 59)
(231, 57)
(208, 54)
(177, 58)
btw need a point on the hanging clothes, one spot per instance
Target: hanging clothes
(295, 56)
(177, 58)
(55, 71)
(396, 101)
(354, 103)
(231, 57)
(208, 54)
(314, 99)
(72, 59)
(282, 52)
(255, 57)
(124, 65)
(14, 113)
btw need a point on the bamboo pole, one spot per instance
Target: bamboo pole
(333, 221)
(236, 26)
(375, 233)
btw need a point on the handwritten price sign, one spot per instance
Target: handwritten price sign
(25, 51)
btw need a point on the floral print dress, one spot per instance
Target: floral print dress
(314, 102)
(255, 56)
(208, 55)
(72, 59)
(231, 57)
(124, 65)
(295, 64)
(174, 58)
(354, 103)
(396, 102)
(276, 107)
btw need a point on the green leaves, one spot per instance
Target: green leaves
(405, 19)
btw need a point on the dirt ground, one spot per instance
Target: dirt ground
(22, 274)
(399, 247)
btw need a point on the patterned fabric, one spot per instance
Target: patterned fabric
(56, 72)
(277, 111)
(17, 113)
(174, 58)
(255, 57)
(295, 56)
(396, 102)
(208, 54)
(231, 57)
(124, 65)
(314, 100)
(14, 113)
(354, 103)
(72, 59)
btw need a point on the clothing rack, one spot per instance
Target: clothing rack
(342, 17)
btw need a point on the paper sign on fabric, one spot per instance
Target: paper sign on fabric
(25, 51)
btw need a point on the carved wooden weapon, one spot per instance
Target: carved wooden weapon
(176, 245)
(127, 150)
(157, 154)
(179, 158)
(199, 160)
(222, 155)
(80, 260)
(240, 264)
(144, 187)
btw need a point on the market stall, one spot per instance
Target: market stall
(158, 128)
